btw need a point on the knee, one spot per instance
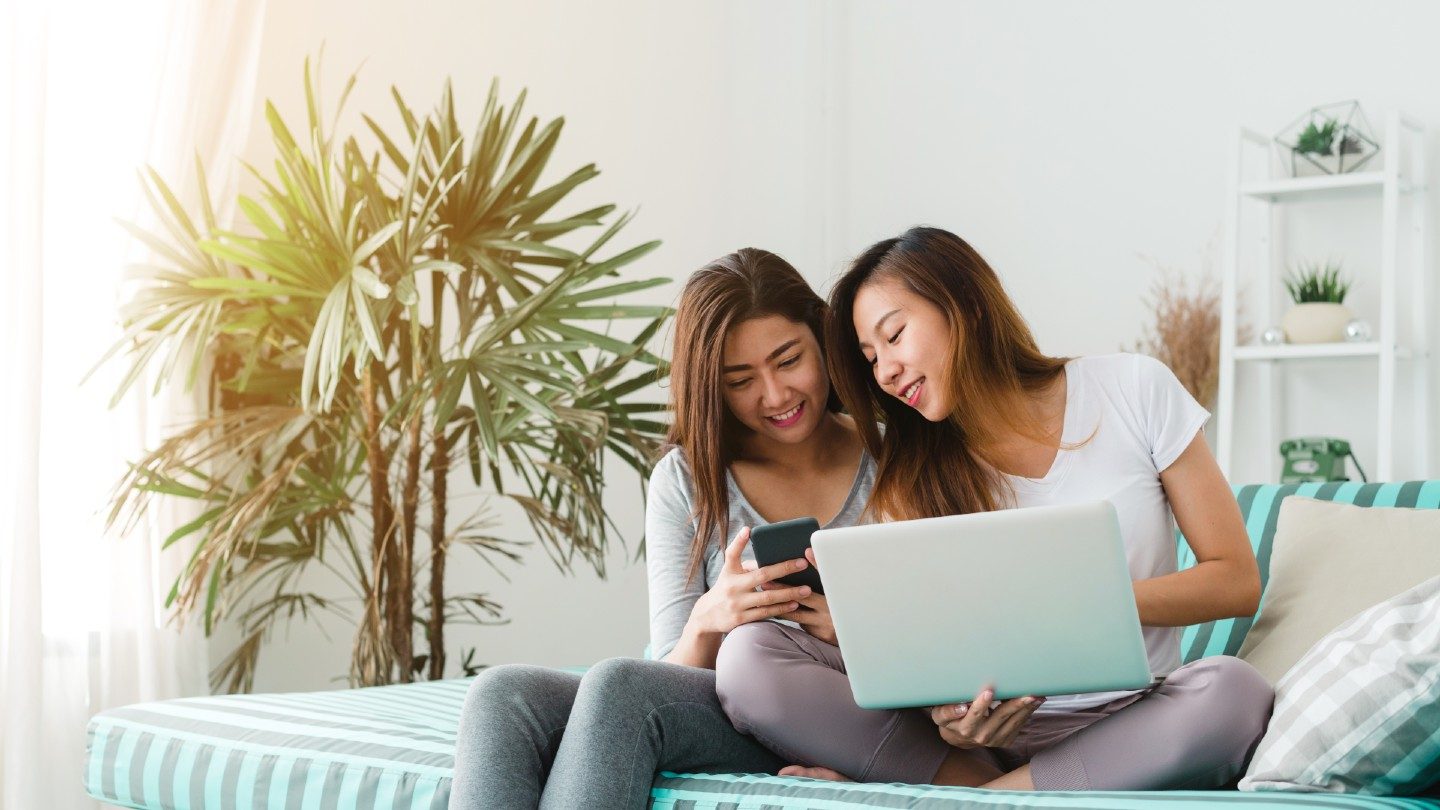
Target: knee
(501, 691)
(500, 684)
(613, 679)
(1237, 701)
(745, 682)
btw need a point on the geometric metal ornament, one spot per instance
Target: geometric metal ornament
(1329, 139)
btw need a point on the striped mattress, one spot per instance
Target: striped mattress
(393, 747)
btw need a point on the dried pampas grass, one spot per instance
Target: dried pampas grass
(1185, 332)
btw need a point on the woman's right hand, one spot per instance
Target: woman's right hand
(735, 598)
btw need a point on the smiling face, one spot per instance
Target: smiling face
(774, 378)
(908, 343)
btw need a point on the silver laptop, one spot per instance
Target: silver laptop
(1033, 601)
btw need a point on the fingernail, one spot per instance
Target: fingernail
(799, 564)
(804, 590)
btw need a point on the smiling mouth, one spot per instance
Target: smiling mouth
(911, 394)
(789, 417)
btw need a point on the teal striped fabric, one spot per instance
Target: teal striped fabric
(674, 791)
(1260, 506)
(393, 747)
(384, 747)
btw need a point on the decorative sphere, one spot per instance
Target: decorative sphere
(1274, 336)
(1357, 330)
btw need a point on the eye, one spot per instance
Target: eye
(738, 384)
(790, 361)
(895, 336)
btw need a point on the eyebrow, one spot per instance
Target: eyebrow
(880, 323)
(784, 347)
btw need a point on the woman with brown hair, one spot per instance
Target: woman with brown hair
(922, 337)
(757, 437)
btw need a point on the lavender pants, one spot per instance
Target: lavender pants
(1195, 730)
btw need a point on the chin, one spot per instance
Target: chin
(935, 413)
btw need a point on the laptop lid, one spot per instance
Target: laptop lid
(1034, 601)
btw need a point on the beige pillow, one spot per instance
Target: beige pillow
(1329, 562)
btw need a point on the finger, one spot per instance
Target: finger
(770, 597)
(989, 732)
(771, 572)
(810, 555)
(748, 565)
(767, 612)
(976, 714)
(804, 618)
(816, 602)
(735, 549)
(948, 713)
(1010, 729)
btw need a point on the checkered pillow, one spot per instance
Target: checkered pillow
(1360, 712)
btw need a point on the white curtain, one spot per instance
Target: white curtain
(89, 93)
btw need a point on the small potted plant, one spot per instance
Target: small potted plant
(1319, 315)
(1331, 139)
(1319, 145)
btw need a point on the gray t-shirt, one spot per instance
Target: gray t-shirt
(670, 526)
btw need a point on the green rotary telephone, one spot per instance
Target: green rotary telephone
(1316, 458)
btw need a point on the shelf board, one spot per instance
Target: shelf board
(1294, 189)
(1313, 351)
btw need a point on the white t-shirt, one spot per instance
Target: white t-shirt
(1141, 419)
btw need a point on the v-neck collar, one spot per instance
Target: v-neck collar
(1061, 464)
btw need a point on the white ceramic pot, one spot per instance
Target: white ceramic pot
(1316, 323)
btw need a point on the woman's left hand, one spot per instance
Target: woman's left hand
(984, 723)
(814, 612)
(813, 615)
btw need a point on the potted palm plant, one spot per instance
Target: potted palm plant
(384, 317)
(1319, 314)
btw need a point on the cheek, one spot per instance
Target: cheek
(814, 382)
(931, 345)
(734, 402)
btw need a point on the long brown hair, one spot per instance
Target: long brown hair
(749, 283)
(929, 469)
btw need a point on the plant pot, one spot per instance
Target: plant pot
(1316, 322)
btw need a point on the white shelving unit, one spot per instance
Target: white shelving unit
(1401, 180)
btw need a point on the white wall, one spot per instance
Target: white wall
(1064, 140)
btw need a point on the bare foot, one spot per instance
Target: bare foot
(814, 773)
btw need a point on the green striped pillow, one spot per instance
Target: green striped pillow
(1260, 507)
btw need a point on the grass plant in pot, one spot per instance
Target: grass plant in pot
(1319, 314)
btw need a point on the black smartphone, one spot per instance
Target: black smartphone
(787, 540)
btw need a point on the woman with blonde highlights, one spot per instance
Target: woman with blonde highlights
(757, 437)
(922, 338)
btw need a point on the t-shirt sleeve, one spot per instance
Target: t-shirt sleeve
(669, 531)
(1170, 417)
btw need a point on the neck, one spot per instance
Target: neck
(1042, 423)
(816, 452)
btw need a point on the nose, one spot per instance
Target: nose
(887, 370)
(773, 392)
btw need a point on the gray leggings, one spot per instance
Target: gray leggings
(599, 738)
(1196, 730)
